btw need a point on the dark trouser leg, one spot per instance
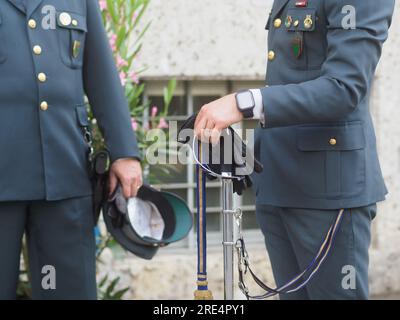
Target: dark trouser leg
(349, 257)
(283, 258)
(12, 225)
(61, 235)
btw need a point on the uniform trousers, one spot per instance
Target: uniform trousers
(61, 247)
(294, 236)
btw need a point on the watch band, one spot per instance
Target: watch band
(248, 114)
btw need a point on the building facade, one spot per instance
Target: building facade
(215, 47)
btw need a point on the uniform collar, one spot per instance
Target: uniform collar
(31, 6)
(278, 6)
(18, 4)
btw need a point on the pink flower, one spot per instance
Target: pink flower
(113, 42)
(163, 124)
(121, 62)
(154, 111)
(133, 76)
(122, 76)
(103, 5)
(135, 15)
(134, 124)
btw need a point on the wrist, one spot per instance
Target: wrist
(134, 159)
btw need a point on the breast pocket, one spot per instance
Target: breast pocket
(3, 56)
(72, 29)
(301, 27)
(331, 160)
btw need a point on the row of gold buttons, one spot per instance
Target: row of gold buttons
(38, 51)
(271, 53)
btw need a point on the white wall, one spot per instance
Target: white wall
(385, 253)
(207, 38)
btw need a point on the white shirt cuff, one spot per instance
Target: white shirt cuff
(258, 110)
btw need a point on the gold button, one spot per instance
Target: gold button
(37, 50)
(32, 24)
(74, 22)
(308, 22)
(65, 18)
(277, 23)
(44, 105)
(333, 142)
(42, 77)
(271, 55)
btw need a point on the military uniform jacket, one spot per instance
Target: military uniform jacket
(318, 146)
(44, 76)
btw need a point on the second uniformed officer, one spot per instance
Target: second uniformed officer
(44, 185)
(317, 143)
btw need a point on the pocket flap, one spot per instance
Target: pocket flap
(70, 20)
(331, 138)
(301, 19)
(82, 115)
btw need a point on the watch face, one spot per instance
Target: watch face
(245, 100)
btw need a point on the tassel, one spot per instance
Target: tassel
(202, 292)
(203, 295)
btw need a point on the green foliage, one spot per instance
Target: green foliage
(107, 289)
(122, 21)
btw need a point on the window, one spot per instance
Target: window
(189, 97)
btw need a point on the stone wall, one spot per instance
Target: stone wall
(225, 39)
(172, 275)
(385, 252)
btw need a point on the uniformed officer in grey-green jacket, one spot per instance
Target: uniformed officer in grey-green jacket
(317, 141)
(45, 188)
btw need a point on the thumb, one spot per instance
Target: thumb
(113, 181)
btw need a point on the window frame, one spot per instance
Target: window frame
(189, 89)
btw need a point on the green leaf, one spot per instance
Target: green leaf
(119, 294)
(103, 281)
(112, 11)
(168, 95)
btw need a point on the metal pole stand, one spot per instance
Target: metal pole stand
(228, 234)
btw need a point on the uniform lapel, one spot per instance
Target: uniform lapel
(278, 6)
(31, 6)
(18, 5)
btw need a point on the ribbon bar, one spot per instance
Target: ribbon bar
(302, 3)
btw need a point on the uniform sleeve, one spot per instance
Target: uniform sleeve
(348, 71)
(258, 110)
(104, 90)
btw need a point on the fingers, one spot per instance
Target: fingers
(215, 136)
(128, 173)
(205, 130)
(135, 186)
(112, 183)
(126, 189)
(200, 124)
(130, 187)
